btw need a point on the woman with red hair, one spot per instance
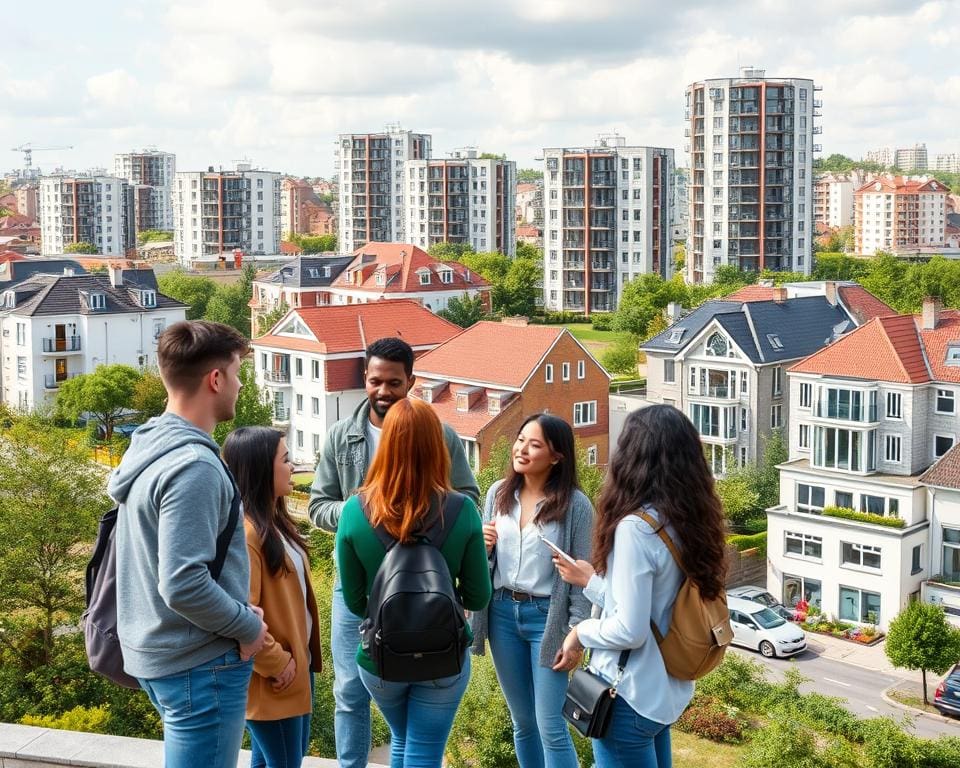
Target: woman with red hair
(404, 496)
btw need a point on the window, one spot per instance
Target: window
(592, 455)
(803, 545)
(951, 554)
(316, 443)
(915, 562)
(945, 401)
(263, 360)
(585, 413)
(581, 369)
(299, 402)
(843, 499)
(894, 405)
(941, 444)
(777, 388)
(565, 371)
(776, 416)
(844, 449)
(424, 278)
(315, 406)
(744, 378)
(810, 498)
(775, 341)
(21, 367)
(797, 588)
(804, 437)
(860, 555)
(21, 334)
(548, 373)
(669, 372)
(859, 605)
(743, 419)
(158, 325)
(98, 301)
(891, 448)
(717, 345)
(315, 370)
(298, 366)
(299, 438)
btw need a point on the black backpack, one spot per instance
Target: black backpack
(99, 620)
(415, 628)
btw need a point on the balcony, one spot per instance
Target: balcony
(54, 380)
(273, 376)
(68, 344)
(281, 416)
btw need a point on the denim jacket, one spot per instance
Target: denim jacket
(344, 462)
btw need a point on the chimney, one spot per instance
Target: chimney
(116, 275)
(673, 312)
(780, 295)
(830, 291)
(931, 312)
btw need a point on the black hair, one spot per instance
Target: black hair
(393, 349)
(250, 454)
(562, 480)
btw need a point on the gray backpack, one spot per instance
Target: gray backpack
(99, 620)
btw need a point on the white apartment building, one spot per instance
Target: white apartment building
(869, 414)
(899, 213)
(55, 327)
(911, 158)
(942, 483)
(883, 156)
(370, 169)
(949, 162)
(217, 212)
(833, 201)
(750, 146)
(150, 173)
(607, 215)
(680, 226)
(86, 209)
(463, 199)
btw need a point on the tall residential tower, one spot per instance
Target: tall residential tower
(150, 173)
(97, 210)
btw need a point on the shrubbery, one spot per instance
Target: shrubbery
(709, 719)
(863, 517)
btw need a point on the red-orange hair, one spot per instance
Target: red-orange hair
(411, 466)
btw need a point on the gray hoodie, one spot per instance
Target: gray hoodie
(175, 498)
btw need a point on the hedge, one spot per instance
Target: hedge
(743, 542)
(863, 517)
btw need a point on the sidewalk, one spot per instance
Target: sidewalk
(868, 657)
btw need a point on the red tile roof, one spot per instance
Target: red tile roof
(6, 256)
(863, 304)
(290, 248)
(352, 327)
(946, 472)
(936, 342)
(885, 349)
(498, 354)
(751, 293)
(901, 185)
(466, 423)
(402, 263)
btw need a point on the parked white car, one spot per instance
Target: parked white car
(758, 628)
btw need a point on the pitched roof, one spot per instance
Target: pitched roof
(946, 472)
(402, 264)
(754, 292)
(497, 354)
(885, 349)
(862, 304)
(938, 341)
(901, 185)
(308, 271)
(466, 423)
(45, 294)
(352, 327)
(24, 269)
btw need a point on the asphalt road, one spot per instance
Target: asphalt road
(859, 687)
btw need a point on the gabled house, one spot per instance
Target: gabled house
(311, 362)
(488, 378)
(942, 482)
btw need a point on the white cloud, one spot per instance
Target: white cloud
(112, 89)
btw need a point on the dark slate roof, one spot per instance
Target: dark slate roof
(766, 331)
(24, 270)
(298, 272)
(68, 295)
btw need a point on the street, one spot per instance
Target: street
(861, 688)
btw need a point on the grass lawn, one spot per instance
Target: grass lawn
(302, 477)
(692, 752)
(911, 694)
(595, 341)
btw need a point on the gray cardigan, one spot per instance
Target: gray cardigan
(568, 606)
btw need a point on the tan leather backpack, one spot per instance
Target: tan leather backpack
(699, 631)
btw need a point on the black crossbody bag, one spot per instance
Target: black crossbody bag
(589, 701)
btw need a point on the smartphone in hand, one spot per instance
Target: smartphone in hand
(557, 549)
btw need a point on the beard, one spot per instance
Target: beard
(380, 408)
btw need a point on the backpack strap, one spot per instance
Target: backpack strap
(223, 540)
(661, 531)
(385, 538)
(452, 504)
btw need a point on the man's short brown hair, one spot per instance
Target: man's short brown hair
(188, 350)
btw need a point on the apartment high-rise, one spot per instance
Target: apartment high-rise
(833, 201)
(216, 212)
(912, 159)
(150, 173)
(607, 216)
(462, 199)
(97, 210)
(750, 154)
(949, 162)
(883, 156)
(899, 213)
(370, 168)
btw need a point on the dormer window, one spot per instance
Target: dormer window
(148, 298)
(380, 277)
(446, 276)
(676, 335)
(326, 271)
(425, 278)
(953, 354)
(9, 299)
(774, 340)
(313, 272)
(467, 276)
(717, 345)
(97, 301)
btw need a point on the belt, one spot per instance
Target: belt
(521, 597)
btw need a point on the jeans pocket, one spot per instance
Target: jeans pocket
(230, 660)
(542, 606)
(647, 728)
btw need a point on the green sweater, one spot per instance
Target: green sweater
(360, 552)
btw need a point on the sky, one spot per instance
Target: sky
(275, 81)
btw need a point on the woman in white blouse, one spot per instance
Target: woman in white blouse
(532, 607)
(658, 467)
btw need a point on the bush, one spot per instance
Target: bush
(602, 322)
(88, 720)
(940, 753)
(562, 318)
(887, 745)
(742, 542)
(863, 517)
(783, 743)
(708, 719)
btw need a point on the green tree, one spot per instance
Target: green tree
(920, 637)
(87, 248)
(51, 497)
(621, 357)
(767, 480)
(450, 251)
(271, 318)
(105, 394)
(463, 311)
(739, 496)
(520, 288)
(194, 291)
(315, 243)
(254, 408)
(645, 297)
(886, 278)
(491, 266)
(529, 251)
(230, 304)
(529, 176)
(149, 395)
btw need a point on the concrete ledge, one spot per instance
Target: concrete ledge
(885, 695)
(24, 746)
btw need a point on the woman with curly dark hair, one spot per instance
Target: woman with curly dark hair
(658, 469)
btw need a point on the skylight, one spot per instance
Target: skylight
(953, 353)
(676, 335)
(774, 340)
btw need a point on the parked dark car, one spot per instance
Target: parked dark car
(760, 595)
(120, 430)
(947, 697)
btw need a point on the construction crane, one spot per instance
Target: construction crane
(28, 149)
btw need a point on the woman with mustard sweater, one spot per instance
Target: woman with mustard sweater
(280, 698)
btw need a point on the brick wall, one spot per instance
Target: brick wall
(746, 568)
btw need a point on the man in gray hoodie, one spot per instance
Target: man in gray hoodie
(187, 638)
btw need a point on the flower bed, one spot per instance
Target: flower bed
(812, 620)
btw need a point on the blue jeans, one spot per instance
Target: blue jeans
(534, 693)
(280, 743)
(351, 715)
(420, 715)
(202, 710)
(632, 741)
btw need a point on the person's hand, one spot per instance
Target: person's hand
(250, 650)
(570, 653)
(578, 573)
(490, 536)
(285, 678)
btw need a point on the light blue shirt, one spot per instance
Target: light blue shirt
(642, 580)
(524, 562)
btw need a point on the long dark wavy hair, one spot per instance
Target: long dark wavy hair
(250, 453)
(659, 461)
(562, 480)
